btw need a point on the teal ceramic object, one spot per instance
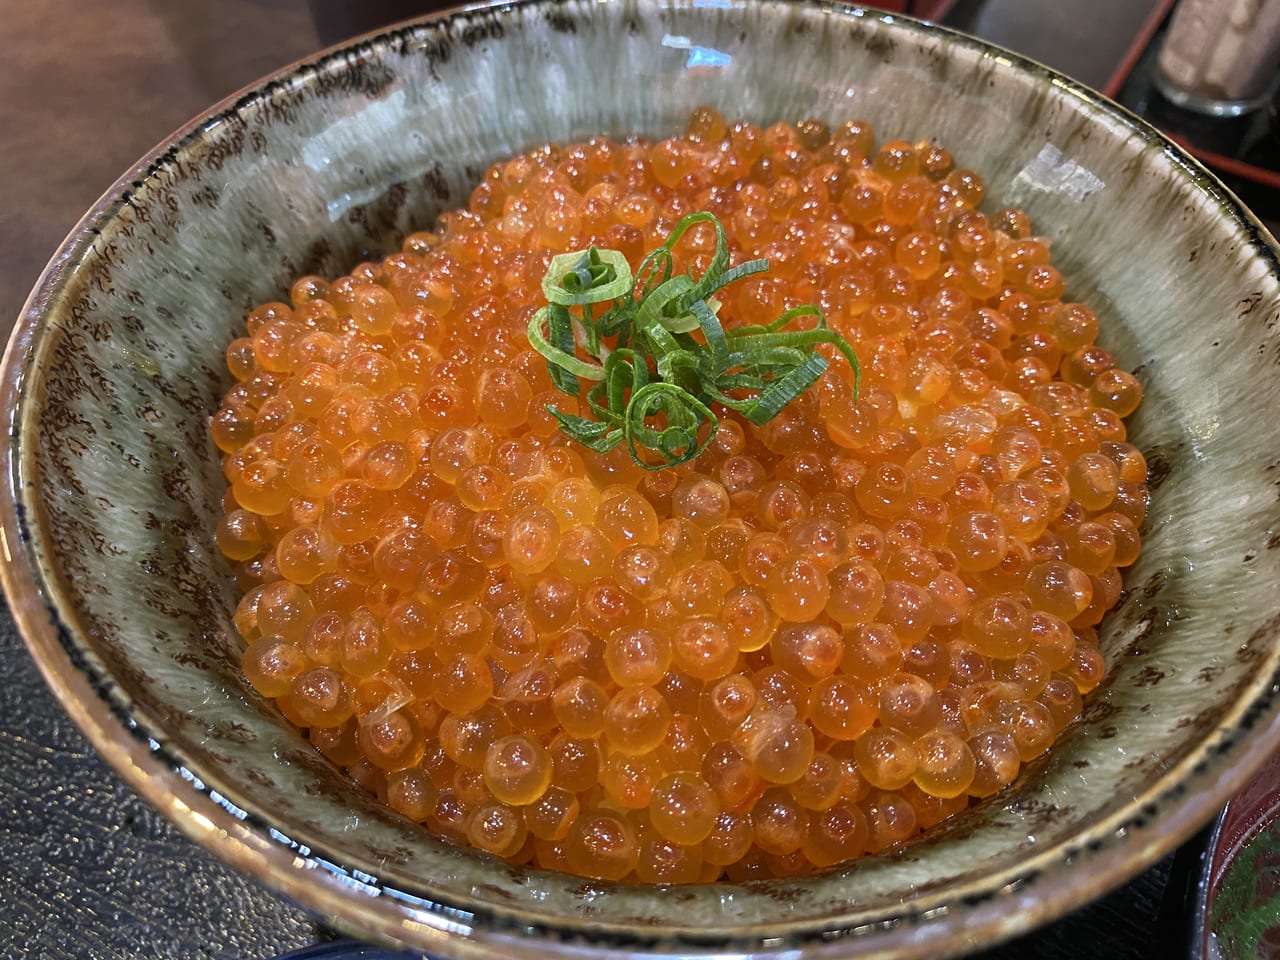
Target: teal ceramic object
(113, 486)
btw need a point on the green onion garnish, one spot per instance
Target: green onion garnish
(656, 355)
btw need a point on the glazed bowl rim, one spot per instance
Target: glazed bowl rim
(1040, 888)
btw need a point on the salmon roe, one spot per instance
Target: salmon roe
(818, 638)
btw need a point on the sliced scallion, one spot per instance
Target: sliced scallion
(657, 356)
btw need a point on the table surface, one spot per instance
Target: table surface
(87, 870)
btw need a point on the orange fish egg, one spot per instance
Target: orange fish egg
(814, 639)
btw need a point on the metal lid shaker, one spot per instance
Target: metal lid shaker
(1220, 57)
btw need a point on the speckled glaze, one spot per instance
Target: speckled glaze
(113, 486)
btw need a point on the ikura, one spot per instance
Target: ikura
(819, 635)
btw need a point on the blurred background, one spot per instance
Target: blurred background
(86, 89)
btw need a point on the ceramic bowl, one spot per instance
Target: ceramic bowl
(1236, 912)
(113, 485)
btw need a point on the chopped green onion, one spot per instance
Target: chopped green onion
(653, 386)
(588, 276)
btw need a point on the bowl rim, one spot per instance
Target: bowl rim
(1004, 906)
